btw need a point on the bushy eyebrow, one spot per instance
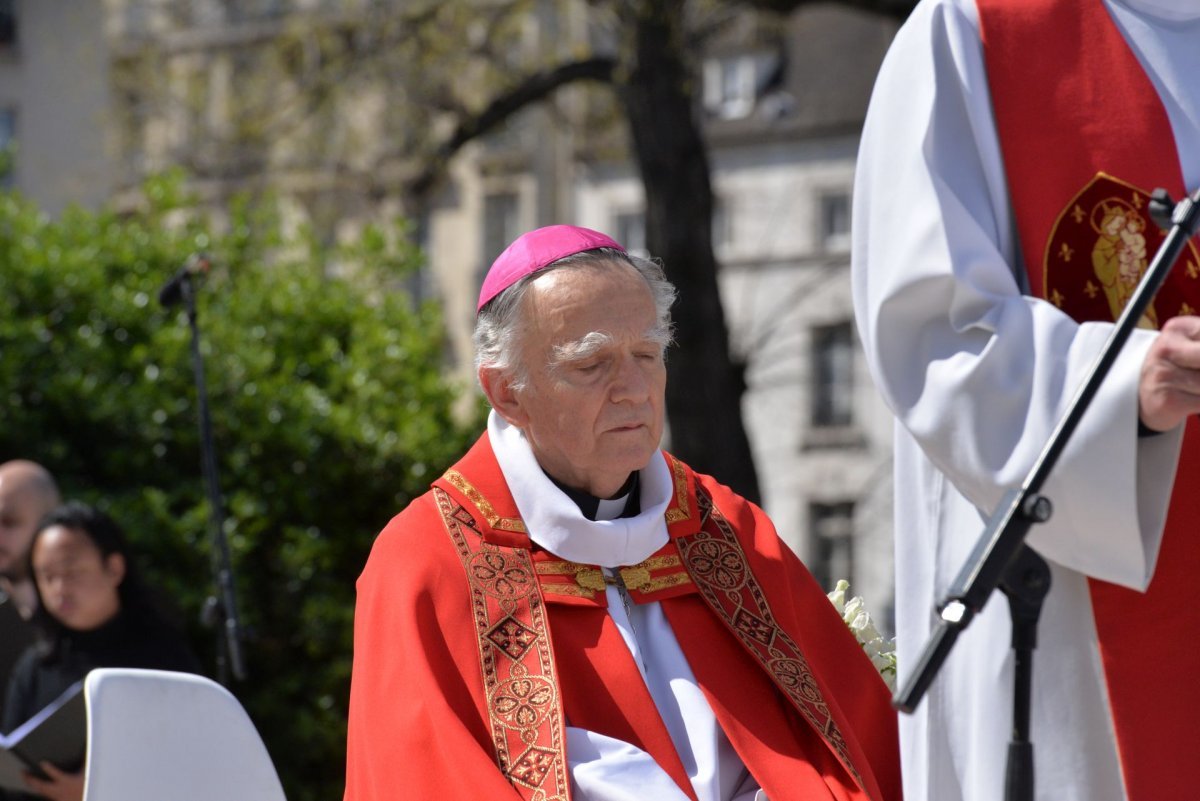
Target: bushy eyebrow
(593, 341)
(581, 348)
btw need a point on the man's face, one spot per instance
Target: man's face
(592, 408)
(20, 512)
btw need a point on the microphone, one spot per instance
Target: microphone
(172, 291)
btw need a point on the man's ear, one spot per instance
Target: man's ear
(498, 387)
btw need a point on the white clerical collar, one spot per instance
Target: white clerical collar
(611, 508)
(554, 521)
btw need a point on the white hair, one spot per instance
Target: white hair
(499, 325)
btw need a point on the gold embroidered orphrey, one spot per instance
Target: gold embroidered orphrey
(516, 653)
(1099, 250)
(717, 564)
(516, 658)
(459, 481)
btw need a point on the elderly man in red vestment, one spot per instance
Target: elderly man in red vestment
(571, 613)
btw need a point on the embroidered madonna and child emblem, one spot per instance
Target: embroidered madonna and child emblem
(1099, 250)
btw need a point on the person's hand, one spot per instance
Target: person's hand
(1169, 388)
(61, 786)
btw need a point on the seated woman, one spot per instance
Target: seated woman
(94, 611)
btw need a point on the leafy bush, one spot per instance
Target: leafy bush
(330, 412)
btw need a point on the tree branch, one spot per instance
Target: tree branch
(534, 88)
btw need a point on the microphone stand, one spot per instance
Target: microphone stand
(220, 610)
(1000, 556)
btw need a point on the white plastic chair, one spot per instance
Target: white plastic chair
(155, 735)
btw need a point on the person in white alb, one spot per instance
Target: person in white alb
(1000, 222)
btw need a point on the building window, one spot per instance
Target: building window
(500, 227)
(8, 134)
(833, 376)
(835, 222)
(730, 86)
(8, 23)
(832, 544)
(734, 84)
(629, 229)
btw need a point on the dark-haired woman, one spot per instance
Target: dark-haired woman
(94, 611)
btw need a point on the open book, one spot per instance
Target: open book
(57, 734)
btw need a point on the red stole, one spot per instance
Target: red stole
(800, 703)
(784, 753)
(1085, 138)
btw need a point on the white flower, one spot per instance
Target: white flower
(838, 596)
(853, 609)
(881, 651)
(864, 628)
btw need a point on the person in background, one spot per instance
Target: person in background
(94, 611)
(1000, 224)
(27, 493)
(571, 612)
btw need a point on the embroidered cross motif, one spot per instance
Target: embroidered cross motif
(511, 637)
(753, 626)
(531, 767)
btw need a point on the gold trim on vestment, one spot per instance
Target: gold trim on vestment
(679, 476)
(567, 589)
(666, 582)
(717, 564)
(481, 503)
(590, 579)
(660, 562)
(516, 657)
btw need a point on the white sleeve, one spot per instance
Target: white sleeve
(607, 769)
(975, 370)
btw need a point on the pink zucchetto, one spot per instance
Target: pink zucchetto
(532, 251)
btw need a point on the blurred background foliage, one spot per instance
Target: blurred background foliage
(330, 412)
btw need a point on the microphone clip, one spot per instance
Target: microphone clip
(172, 291)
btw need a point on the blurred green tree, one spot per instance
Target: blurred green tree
(329, 407)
